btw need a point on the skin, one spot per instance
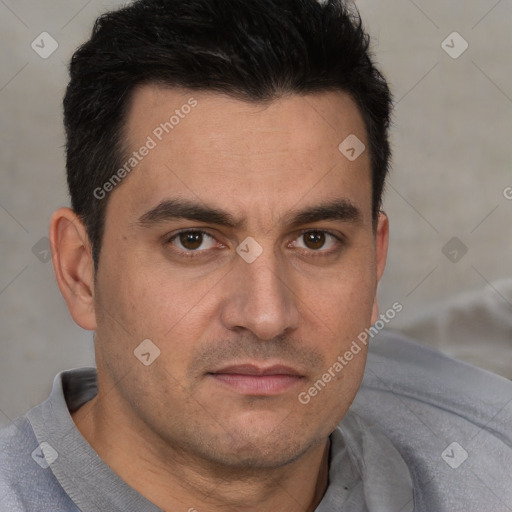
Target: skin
(198, 443)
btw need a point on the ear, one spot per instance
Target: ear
(73, 265)
(381, 252)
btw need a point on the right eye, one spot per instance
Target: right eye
(192, 241)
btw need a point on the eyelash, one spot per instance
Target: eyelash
(189, 254)
(338, 239)
(319, 253)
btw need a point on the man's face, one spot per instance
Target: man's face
(241, 333)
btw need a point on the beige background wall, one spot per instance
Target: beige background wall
(452, 164)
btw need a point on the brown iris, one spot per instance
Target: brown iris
(314, 239)
(191, 239)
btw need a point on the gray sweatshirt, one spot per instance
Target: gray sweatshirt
(426, 433)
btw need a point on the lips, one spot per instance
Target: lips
(250, 369)
(250, 379)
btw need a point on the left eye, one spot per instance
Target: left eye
(192, 241)
(315, 240)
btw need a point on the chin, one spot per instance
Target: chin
(260, 444)
(255, 457)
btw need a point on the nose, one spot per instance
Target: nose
(260, 298)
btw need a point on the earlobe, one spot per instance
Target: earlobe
(381, 251)
(73, 265)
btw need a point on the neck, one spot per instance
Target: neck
(173, 479)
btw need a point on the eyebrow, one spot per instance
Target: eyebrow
(338, 209)
(171, 209)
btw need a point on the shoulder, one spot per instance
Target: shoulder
(450, 421)
(403, 368)
(26, 481)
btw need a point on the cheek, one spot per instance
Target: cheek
(153, 301)
(343, 300)
(337, 311)
(330, 394)
(146, 291)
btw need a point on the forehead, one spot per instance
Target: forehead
(218, 150)
(302, 120)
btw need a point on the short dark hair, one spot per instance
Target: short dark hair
(254, 50)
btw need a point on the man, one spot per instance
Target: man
(226, 162)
